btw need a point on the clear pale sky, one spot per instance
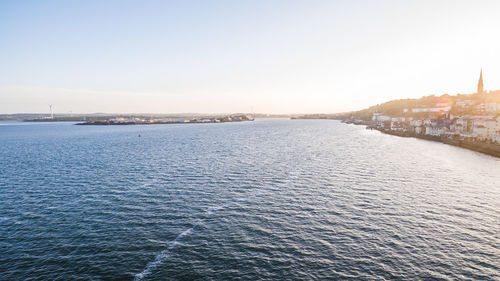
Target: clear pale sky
(231, 56)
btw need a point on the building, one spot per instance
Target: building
(380, 118)
(496, 138)
(484, 128)
(439, 107)
(465, 103)
(435, 131)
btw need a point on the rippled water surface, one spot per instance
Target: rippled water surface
(264, 200)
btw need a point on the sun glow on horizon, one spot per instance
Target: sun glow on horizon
(223, 56)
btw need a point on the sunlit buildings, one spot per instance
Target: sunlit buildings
(473, 118)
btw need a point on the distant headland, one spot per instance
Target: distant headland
(145, 120)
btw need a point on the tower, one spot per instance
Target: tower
(480, 83)
(51, 112)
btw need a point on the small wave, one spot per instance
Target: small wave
(211, 210)
(162, 256)
(150, 183)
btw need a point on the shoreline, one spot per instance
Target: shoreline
(485, 148)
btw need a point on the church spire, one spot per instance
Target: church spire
(480, 83)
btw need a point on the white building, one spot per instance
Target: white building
(484, 129)
(465, 103)
(439, 107)
(398, 119)
(380, 118)
(435, 131)
(460, 125)
(416, 122)
(496, 138)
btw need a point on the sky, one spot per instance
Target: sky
(268, 56)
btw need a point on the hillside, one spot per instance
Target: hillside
(403, 107)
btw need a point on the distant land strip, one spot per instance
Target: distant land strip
(151, 121)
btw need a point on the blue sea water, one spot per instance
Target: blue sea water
(272, 199)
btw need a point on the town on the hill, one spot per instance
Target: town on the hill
(471, 121)
(473, 117)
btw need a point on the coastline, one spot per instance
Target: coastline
(486, 148)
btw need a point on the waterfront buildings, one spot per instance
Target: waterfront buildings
(474, 118)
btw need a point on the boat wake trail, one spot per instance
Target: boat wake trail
(162, 256)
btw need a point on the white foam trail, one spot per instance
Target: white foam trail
(162, 256)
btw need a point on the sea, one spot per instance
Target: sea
(272, 199)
